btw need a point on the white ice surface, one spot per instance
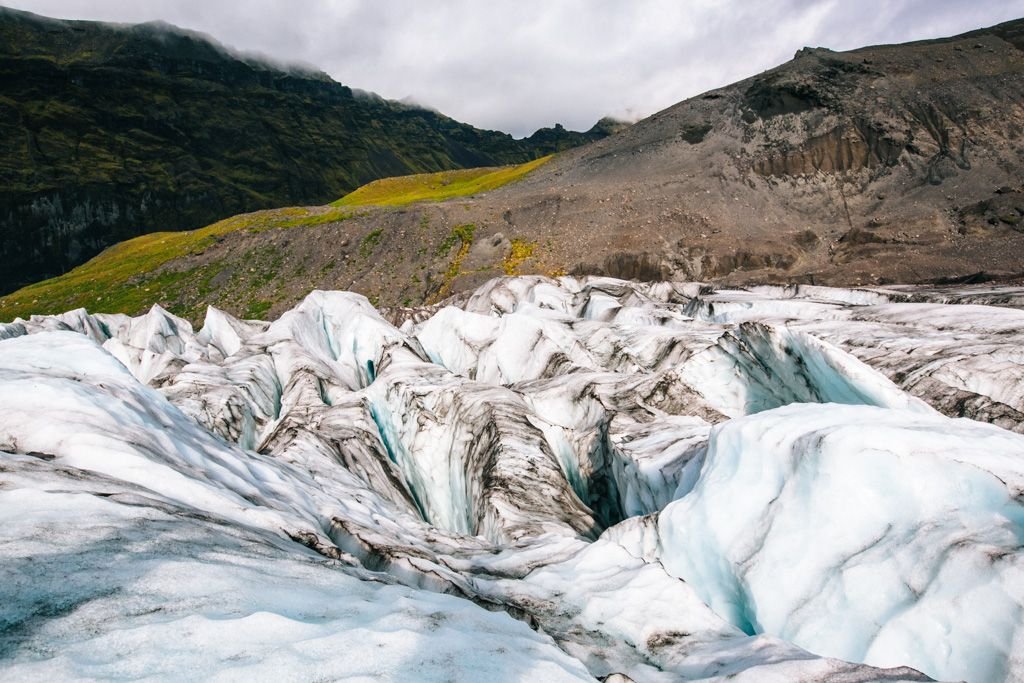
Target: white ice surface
(104, 581)
(904, 527)
(330, 495)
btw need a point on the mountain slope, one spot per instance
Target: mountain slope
(259, 273)
(885, 164)
(889, 163)
(109, 131)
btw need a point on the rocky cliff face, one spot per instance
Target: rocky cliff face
(107, 132)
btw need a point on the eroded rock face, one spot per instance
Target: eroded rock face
(635, 481)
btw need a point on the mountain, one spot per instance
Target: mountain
(111, 131)
(886, 164)
(898, 163)
(555, 480)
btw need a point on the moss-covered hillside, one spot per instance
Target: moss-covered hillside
(435, 187)
(256, 261)
(108, 132)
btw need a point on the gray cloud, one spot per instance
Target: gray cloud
(517, 65)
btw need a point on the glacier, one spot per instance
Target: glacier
(543, 479)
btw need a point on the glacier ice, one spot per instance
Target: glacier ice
(906, 526)
(550, 479)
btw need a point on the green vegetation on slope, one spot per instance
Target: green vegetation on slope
(436, 187)
(168, 266)
(127, 278)
(108, 132)
(520, 252)
(463, 234)
(370, 242)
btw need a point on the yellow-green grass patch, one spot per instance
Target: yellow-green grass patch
(436, 187)
(521, 251)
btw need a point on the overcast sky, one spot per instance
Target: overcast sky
(517, 65)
